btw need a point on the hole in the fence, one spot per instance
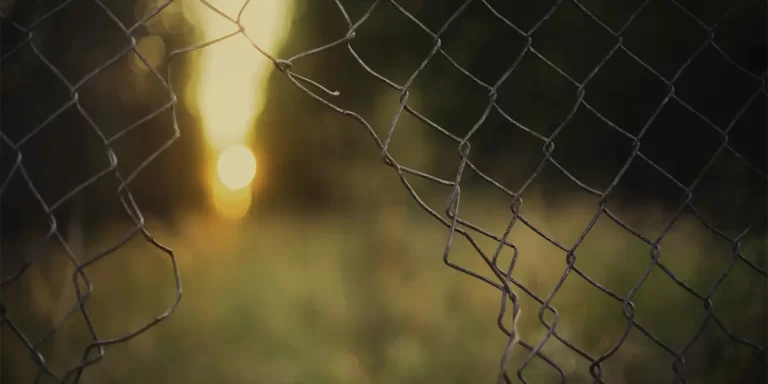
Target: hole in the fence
(590, 150)
(611, 13)
(396, 62)
(26, 110)
(64, 156)
(73, 51)
(440, 90)
(625, 92)
(669, 142)
(748, 137)
(573, 42)
(666, 310)
(741, 38)
(715, 88)
(548, 97)
(370, 268)
(482, 44)
(663, 37)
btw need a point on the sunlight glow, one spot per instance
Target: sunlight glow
(236, 167)
(231, 204)
(229, 93)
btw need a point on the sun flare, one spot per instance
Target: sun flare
(236, 167)
(230, 90)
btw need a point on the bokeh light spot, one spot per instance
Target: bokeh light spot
(236, 167)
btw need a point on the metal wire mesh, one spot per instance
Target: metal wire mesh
(510, 289)
(82, 284)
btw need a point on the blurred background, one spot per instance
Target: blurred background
(302, 256)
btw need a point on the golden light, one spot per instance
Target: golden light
(229, 90)
(236, 167)
(231, 204)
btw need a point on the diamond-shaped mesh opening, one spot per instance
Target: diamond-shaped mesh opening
(26, 111)
(663, 37)
(62, 41)
(572, 41)
(393, 62)
(128, 81)
(88, 161)
(744, 23)
(722, 79)
(614, 15)
(547, 101)
(498, 143)
(441, 76)
(524, 16)
(485, 46)
(671, 129)
(587, 133)
(746, 134)
(625, 93)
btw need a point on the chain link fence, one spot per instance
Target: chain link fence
(18, 172)
(510, 289)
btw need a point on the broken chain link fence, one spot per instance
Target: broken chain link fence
(510, 288)
(82, 284)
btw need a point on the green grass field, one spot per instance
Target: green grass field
(364, 297)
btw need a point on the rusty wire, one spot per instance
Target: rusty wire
(509, 287)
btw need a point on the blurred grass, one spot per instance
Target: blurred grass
(364, 297)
